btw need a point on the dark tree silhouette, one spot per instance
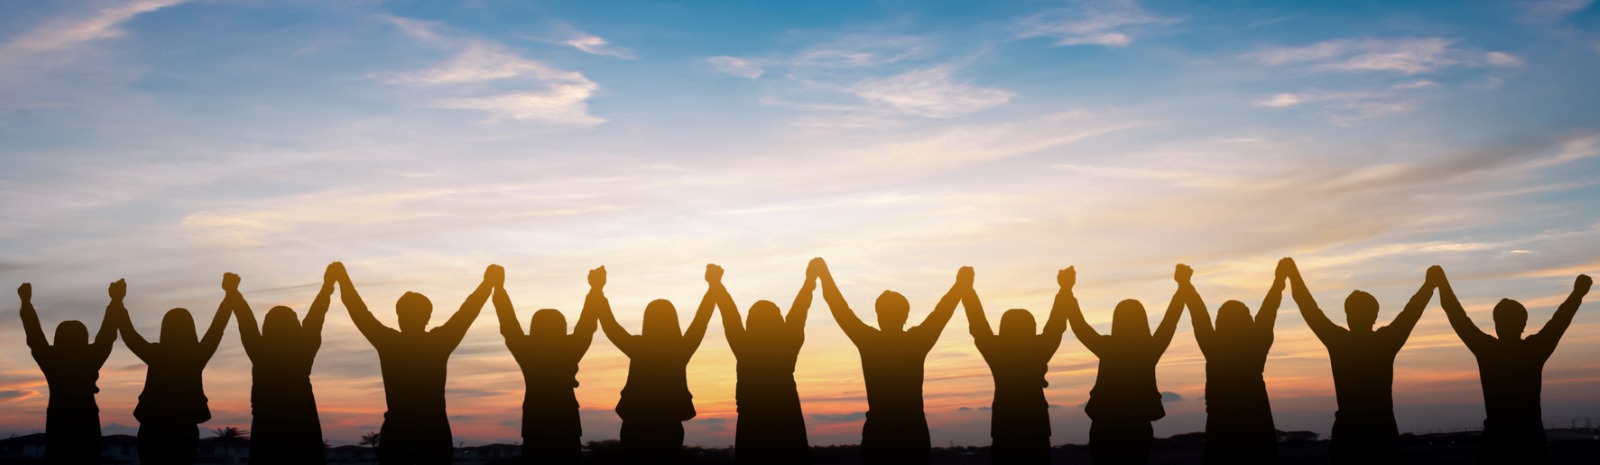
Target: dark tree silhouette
(892, 357)
(1018, 360)
(655, 399)
(71, 369)
(1124, 400)
(1239, 427)
(229, 437)
(414, 363)
(771, 428)
(548, 356)
(1364, 430)
(281, 352)
(1511, 369)
(174, 403)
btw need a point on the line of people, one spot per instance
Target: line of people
(655, 400)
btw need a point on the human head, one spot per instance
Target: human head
(414, 310)
(281, 324)
(72, 333)
(1510, 318)
(765, 318)
(1360, 311)
(1129, 320)
(661, 319)
(177, 328)
(893, 309)
(1017, 323)
(547, 323)
(1233, 317)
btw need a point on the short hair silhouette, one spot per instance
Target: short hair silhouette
(1510, 368)
(284, 426)
(71, 370)
(414, 362)
(771, 428)
(1364, 429)
(551, 429)
(1124, 399)
(1018, 360)
(173, 403)
(1239, 426)
(656, 400)
(896, 430)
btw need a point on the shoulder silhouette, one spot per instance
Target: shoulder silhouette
(413, 361)
(1018, 359)
(1239, 427)
(771, 428)
(549, 356)
(284, 427)
(71, 369)
(173, 403)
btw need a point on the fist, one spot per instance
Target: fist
(1067, 277)
(816, 268)
(118, 289)
(1285, 268)
(230, 282)
(1182, 273)
(1582, 285)
(494, 275)
(597, 277)
(25, 291)
(713, 274)
(334, 272)
(964, 276)
(1435, 274)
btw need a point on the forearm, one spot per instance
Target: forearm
(507, 315)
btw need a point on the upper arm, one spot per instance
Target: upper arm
(107, 338)
(30, 326)
(933, 325)
(842, 314)
(1169, 324)
(801, 308)
(702, 319)
(1267, 315)
(1400, 328)
(130, 335)
(1199, 316)
(1548, 336)
(732, 327)
(608, 322)
(509, 327)
(311, 326)
(363, 318)
(1469, 333)
(1315, 319)
(213, 337)
(977, 321)
(456, 327)
(249, 332)
(1080, 328)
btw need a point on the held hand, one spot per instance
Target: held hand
(118, 289)
(713, 274)
(1436, 275)
(334, 273)
(1182, 273)
(1286, 268)
(964, 277)
(597, 278)
(815, 268)
(1581, 286)
(494, 276)
(26, 292)
(230, 282)
(1067, 277)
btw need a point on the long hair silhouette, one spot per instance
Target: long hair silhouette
(655, 399)
(284, 427)
(173, 403)
(414, 362)
(892, 357)
(1511, 368)
(551, 430)
(71, 368)
(1364, 430)
(1124, 399)
(1018, 360)
(1239, 427)
(771, 428)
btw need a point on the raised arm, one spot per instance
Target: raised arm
(219, 323)
(1547, 337)
(1400, 329)
(795, 321)
(847, 319)
(30, 320)
(454, 329)
(1169, 324)
(1056, 324)
(1315, 319)
(1067, 303)
(1469, 333)
(1198, 315)
(509, 328)
(249, 332)
(708, 305)
(588, 320)
(608, 322)
(130, 336)
(311, 326)
(106, 339)
(977, 321)
(1267, 315)
(363, 319)
(732, 326)
(933, 325)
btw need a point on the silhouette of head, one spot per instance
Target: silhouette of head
(1510, 318)
(1360, 311)
(661, 320)
(1233, 318)
(547, 323)
(414, 310)
(1017, 323)
(893, 309)
(281, 324)
(765, 318)
(1128, 321)
(72, 333)
(177, 328)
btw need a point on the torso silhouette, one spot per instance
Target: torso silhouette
(550, 372)
(1125, 387)
(1363, 370)
(766, 371)
(891, 363)
(1235, 390)
(1513, 373)
(658, 385)
(284, 374)
(72, 376)
(173, 389)
(1018, 367)
(414, 370)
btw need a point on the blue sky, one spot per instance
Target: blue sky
(169, 141)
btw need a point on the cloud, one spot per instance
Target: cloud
(736, 66)
(1169, 396)
(1502, 59)
(1409, 56)
(63, 34)
(594, 45)
(1553, 10)
(826, 418)
(929, 92)
(1090, 22)
(1348, 108)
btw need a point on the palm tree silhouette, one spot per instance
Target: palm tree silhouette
(371, 440)
(229, 437)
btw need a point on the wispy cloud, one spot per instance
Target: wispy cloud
(66, 33)
(595, 45)
(736, 66)
(1091, 22)
(929, 92)
(1406, 56)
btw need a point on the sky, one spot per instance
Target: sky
(169, 141)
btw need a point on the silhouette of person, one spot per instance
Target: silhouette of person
(655, 399)
(1511, 369)
(414, 361)
(896, 431)
(71, 368)
(173, 403)
(285, 428)
(1364, 431)
(1239, 427)
(771, 428)
(1018, 359)
(548, 356)
(1124, 399)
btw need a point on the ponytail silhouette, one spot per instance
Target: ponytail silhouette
(548, 356)
(173, 403)
(1239, 427)
(1124, 400)
(71, 368)
(1018, 359)
(771, 428)
(1511, 369)
(284, 426)
(656, 400)
(414, 362)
